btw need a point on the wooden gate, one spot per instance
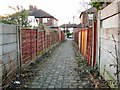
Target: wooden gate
(89, 46)
(83, 41)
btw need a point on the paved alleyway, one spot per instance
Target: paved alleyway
(58, 70)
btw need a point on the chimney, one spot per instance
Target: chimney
(31, 8)
(35, 8)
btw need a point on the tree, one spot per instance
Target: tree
(18, 18)
(84, 5)
(99, 5)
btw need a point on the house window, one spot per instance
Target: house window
(54, 22)
(44, 20)
(48, 19)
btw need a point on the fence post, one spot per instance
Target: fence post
(1, 64)
(44, 43)
(98, 40)
(19, 48)
(1, 76)
(36, 43)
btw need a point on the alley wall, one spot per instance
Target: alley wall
(109, 42)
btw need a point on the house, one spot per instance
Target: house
(43, 17)
(86, 17)
(32, 21)
(68, 27)
(1, 17)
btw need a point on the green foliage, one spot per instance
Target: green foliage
(55, 31)
(24, 15)
(99, 5)
(5, 20)
(41, 26)
(68, 34)
(18, 18)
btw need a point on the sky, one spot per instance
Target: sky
(63, 10)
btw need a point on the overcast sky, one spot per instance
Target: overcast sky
(63, 10)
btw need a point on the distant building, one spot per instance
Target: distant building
(86, 17)
(1, 17)
(43, 17)
(32, 21)
(71, 28)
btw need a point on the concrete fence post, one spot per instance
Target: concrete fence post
(98, 40)
(0, 76)
(1, 64)
(19, 44)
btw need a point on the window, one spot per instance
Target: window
(54, 22)
(44, 20)
(48, 19)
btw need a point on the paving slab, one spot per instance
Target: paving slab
(58, 69)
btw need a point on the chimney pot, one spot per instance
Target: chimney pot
(35, 8)
(30, 7)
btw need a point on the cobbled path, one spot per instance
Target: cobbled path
(58, 69)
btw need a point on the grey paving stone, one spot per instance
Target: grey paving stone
(65, 86)
(37, 78)
(35, 83)
(52, 83)
(57, 70)
(72, 87)
(51, 86)
(80, 86)
(58, 86)
(47, 81)
(37, 86)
